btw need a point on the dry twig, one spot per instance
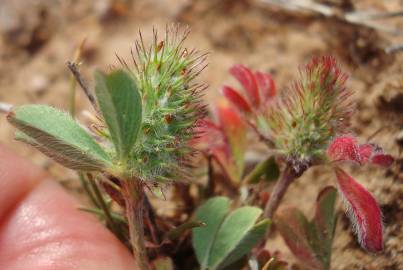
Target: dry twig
(74, 70)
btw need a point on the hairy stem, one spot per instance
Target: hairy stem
(134, 201)
(279, 190)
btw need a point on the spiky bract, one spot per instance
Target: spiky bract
(165, 74)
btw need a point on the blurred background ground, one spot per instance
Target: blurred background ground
(37, 37)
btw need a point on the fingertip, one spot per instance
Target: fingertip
(42, 228)
(17, 177)
(48, 231)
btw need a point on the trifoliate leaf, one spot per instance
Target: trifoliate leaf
(58, 136)
(120, 103)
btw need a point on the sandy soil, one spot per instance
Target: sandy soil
(37, 37)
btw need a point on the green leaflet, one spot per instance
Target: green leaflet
(325, 224)
(268, 168)
(272, 170)
(212, 213)
(58, 136)
(242, 245)
(293, 227)
(228, 236)
(121, 107)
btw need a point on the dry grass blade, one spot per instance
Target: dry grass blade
(357, 17)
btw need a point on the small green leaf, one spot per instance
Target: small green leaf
(246, 242)
(311, 242)
(325, 223)
(227, 236)
(121, 107)
(325, 214)
(212, 213)
(293, 227)
(268, 168)
(58, 136)
(272, 170)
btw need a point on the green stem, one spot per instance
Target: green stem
(87, 189)
(102, 204)
(134, 201)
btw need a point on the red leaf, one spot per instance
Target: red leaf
(226, 142)
(382, 160)
(266, 85)
(344, 148)
(365, 151)
(363, 211)
(234, 130)
(245, 76)
(236, 98)
(375, 155)
(230, 119)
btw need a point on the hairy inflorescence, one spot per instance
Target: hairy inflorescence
(165, 73)
(312, 111)
(308, 124)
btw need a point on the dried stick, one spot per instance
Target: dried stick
(76, 73)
